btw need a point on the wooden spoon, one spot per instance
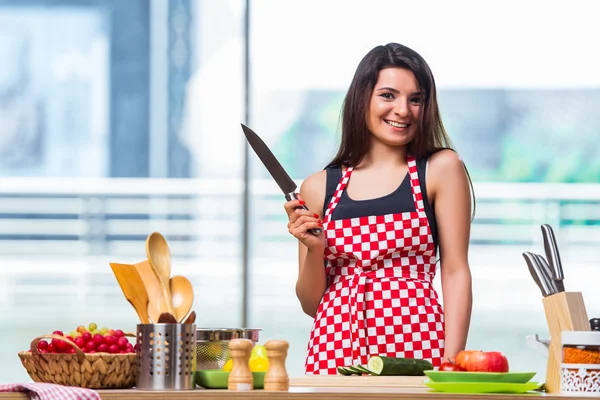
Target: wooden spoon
(159, 257)
(158, 301)
(182, 296)
(167, 318)
(133, 288)
(191, 318)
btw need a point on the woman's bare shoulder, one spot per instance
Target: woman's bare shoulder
(313, 189)
(445, 170)
(444, 163)
(316, 181)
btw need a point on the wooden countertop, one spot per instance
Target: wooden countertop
(302, 393)
(316, 387)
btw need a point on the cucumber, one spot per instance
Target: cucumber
(364, 370)
(344, 371)
(354, 370)
(379, 365)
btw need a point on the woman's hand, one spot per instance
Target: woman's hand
(301, 221)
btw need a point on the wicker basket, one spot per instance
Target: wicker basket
(94, 371)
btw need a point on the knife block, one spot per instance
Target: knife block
(565, 311)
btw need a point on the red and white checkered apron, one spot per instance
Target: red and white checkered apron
(380, 299)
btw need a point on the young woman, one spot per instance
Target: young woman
(394, 196)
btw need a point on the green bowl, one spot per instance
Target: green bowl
(217, 379)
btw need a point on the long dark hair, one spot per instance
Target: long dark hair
(356, 137)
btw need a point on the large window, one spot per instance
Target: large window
(129, 123)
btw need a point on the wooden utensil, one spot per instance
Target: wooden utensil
(133, 288)
(182, 296)
(191, 318)
(158, 300)
(167, 318)
(159, 255)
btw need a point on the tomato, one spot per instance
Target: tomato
(448, 366)
(482, 361)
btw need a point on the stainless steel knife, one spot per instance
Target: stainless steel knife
(287, 185)
(553, 255)
(546, 272)
(557, 285)
(537, 274)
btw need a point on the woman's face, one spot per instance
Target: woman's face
(395, 107)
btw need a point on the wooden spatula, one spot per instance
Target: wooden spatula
(133, 288)
(159, 299)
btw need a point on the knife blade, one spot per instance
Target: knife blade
(281, 177)
(537, 274)
(553, 255)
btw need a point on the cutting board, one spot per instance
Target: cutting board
(357, 381)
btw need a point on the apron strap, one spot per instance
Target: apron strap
(415, 185)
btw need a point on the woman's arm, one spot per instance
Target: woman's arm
(312, 281)
(451, 196)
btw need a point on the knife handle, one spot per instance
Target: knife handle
(535, 269)
(557, 283)
(551, 248)
(294, 196)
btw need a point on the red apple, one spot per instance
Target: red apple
(482, 361)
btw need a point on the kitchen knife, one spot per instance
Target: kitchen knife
(287, 185)
(546, 272)
(553, 255)
(558, 285)
(537, 274)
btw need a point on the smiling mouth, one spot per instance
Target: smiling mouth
(396, 124)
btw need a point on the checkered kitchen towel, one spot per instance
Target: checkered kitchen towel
(49, 391)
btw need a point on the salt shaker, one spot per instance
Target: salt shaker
(276, 378)
(240, 377)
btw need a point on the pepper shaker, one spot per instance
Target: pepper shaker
(276, 378)
(240, 377)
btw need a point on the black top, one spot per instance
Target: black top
(399, 201)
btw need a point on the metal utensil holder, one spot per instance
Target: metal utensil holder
(166, 356)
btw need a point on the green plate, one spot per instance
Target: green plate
(480, 377)
(480, 387)
(217, 379)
